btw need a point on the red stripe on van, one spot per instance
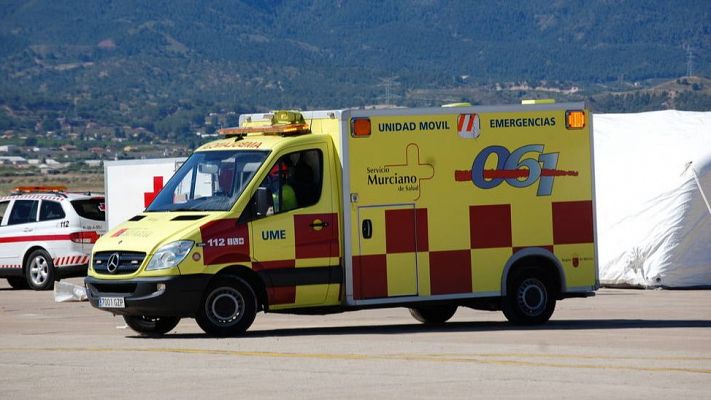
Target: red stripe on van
(14, 239)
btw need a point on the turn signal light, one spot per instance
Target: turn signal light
(360, 127)
(575, 119)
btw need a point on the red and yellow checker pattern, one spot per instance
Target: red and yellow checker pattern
(477, 268)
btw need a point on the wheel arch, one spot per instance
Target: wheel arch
(32, 249)
(535, 256)
(254, 280)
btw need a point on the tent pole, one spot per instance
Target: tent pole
(696, 178)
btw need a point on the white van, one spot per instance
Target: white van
(47, 234)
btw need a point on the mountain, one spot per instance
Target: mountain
(163, 64)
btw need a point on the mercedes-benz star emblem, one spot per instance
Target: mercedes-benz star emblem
(113, 263)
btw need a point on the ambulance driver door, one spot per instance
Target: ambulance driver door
(295, 244)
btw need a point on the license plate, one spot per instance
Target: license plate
(111, 302)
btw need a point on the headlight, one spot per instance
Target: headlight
(170, 255)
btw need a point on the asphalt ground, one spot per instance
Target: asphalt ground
(620, 344)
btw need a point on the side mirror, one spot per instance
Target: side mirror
(259, 206)
(263, 199)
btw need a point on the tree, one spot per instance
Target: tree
(50, 124)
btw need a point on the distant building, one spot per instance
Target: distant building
(93, 163)
(13, 160)
(8, 148)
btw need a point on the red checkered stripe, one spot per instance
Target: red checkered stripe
(450, 271)
(70, 260)
(9, 266)
(308, 244)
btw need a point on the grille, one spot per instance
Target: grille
(129, 262)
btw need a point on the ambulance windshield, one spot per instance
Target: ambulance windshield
(209, 181)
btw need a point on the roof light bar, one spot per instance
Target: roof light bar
(283, 122)
(45, 189)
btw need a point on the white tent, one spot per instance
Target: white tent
(653, 186)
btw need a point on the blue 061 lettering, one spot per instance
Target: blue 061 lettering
(512, 167)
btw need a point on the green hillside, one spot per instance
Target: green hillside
(164, 65)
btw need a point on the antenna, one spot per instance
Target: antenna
(689, 60)
(388, 83)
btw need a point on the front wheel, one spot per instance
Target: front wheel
(39, 270)
(433, 315)
(151, 326)
(530, 298)
(228, 307)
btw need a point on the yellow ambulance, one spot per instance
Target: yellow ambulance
(488, 207)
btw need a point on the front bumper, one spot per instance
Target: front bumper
(181, 296)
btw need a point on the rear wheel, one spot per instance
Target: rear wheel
(228, 308)
(39, 270)
(433, 315)
(17, 282)
(151, 326)
(530, 297)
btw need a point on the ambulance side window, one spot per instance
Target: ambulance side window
(295, 181)
(50, 210)
(3, 208)
(23, 211)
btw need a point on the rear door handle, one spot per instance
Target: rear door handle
(367, 229)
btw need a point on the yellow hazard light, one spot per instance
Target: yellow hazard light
(31, 189)
(575, 119)
(287, 117)
(360, 127)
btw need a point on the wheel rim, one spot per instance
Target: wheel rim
(532, 297)
(39, 270)
(224, 306)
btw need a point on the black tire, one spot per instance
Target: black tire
(530, 298)
(17, 282)
(151, 326)
(39, 270)
(433, 315)
(228, 307)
